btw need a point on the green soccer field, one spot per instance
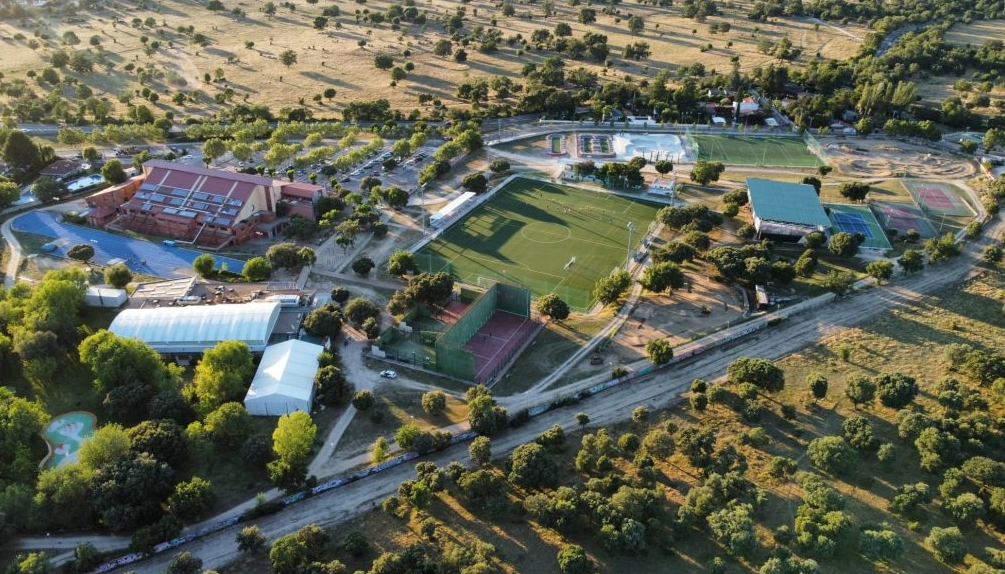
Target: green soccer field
(749, 150)
(548, 238)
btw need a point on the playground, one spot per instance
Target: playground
(546, 237)
(788, 151)
(63, 436)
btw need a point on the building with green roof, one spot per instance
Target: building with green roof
(785, 211)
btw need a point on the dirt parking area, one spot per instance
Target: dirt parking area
(891, 158)
(680, 317)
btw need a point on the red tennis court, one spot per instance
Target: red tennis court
(903, 218)
(935, 197)
(496, 342)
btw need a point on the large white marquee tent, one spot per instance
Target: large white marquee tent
(193, 329)
(285, 379)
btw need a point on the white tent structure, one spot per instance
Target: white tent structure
(285, 379)
(193, 329)
(105, 297)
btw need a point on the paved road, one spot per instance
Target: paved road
(656, 391)
(10, 273)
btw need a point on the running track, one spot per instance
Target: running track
(140, 256)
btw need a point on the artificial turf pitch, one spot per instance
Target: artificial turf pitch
(529, 233)
(751, 150)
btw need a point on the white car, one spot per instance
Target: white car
(389, 374)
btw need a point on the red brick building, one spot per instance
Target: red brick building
(208, 207)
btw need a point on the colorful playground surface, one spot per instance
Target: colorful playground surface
(138, 255)
(859, 219)
(64, 435)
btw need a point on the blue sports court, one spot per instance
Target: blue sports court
(851, 223)
(138, 255)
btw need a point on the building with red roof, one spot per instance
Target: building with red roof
(210, 207)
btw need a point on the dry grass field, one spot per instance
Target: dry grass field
(976, 32)
(333, 58)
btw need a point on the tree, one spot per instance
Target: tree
(948, 544)
(192, 499)
(880, 544)
(31, 563)
(9, 193)
(120, 363)
(609, 289)
(531, 466)
(58, 495)
(395, 197)
(485, 416)
(434, 403)
(817, 384)
(163, 439)
(859, 389)
(359, 309)
(229, 425)
(332, 385)
(553, 307)
(128, 492)
(325, 321)
(383, 61)
(831, 454)
(293, 437)
(107, 444)
(82, 252)
(203, 265)
(287, 58)
(815, 182)
(256, 269)
(222, 373)
(461, 56)
(663, 166)
(661, 277)
(705, 172)
(843, 244)
(911, 261)
(572, 559)
(854, 190)
(838, 282)
(284, 256)
(896, 390)
(475, 182)
(213, 149)
(251, 540)
(480, 450)
(430, 289)
(288, 555)
(881, 270)
(20, 153)
(362, 266)
(760, 372)
(363, 400)
(499, 166)
(46, 189)
(660, 351)
(185, 563)
(401, 262)
(118, 275)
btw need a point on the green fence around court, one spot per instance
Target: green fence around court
(513, 300)
(451, 358)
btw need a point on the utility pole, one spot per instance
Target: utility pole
(631, 230)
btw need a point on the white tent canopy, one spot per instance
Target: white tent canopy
(193, 329)
(285, 379)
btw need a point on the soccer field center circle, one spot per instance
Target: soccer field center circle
(543, 232)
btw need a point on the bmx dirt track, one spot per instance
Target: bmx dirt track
(885, 157)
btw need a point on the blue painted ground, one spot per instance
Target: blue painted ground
(139, 255)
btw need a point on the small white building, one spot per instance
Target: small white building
(105, 297)
(285, 379)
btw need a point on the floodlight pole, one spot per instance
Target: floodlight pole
(631, 230)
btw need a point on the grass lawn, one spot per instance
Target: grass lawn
(750, 150)
(549, 238)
